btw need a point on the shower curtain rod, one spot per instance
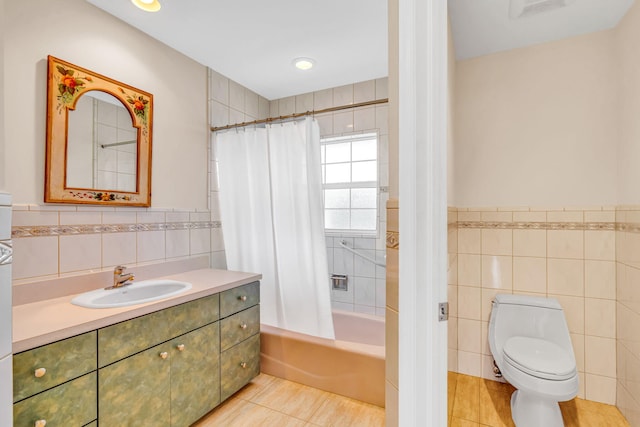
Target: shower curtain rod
(296, 115)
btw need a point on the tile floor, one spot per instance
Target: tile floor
(472, 402)
(476, 402)
(273, 402)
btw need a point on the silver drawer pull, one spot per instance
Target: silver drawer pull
(41, 423)
(243, 325)
(242, 298)
(164, 355)
(243, 365)
(39, 373)
(180, 347)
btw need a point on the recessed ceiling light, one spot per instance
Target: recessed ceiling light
(147, 5)
(304, 63)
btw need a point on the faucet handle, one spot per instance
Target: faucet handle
(119, 269)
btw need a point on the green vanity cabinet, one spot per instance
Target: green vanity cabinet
(168, 368)
(195, 374)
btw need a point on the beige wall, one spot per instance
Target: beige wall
(537, 126)
(451, 99)
(627, 37)
(82, 34)
(3, 166)
(627, 45)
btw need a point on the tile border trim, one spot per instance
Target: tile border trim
(6, 252)
(492, 225)
(67, 230)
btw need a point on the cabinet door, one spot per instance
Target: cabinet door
(72, 404)
(195, 374)
(136, 391)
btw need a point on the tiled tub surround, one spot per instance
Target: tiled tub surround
(366, 288)
(568, 254)
(628, 312)
(52, 241)
(231, 103)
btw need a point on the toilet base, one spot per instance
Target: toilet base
(531, 410)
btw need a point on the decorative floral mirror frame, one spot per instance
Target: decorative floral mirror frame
(66, 83)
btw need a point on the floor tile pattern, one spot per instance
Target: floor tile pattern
(472, 402)
(477, 402)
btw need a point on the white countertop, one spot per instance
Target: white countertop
(43, 322)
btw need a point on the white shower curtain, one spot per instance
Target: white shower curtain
(272, 220)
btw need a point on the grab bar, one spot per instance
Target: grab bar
(368, 258)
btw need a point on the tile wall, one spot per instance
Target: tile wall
(51, 241)
(229, 103)
(568, 254)
(366, 289)
(628, 312)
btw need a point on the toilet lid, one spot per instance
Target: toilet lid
(540, 358)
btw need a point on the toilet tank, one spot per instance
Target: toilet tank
(521, 315)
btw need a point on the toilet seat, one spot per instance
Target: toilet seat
(539, 358)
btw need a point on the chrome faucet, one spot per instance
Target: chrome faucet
(120, 279)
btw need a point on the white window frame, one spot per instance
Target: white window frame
(353, 137)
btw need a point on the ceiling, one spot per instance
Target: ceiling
(254, 42)
(482, 27)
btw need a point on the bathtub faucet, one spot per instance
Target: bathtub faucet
(120, 279)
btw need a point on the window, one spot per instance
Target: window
(350, 182)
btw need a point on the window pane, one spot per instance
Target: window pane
(336, 218)
(322, 150)
(363, 198)
(337, 153)
(363, 219)
(365, 150)
(336, 199)
(323, 175)
(365, 171)
(340, 172)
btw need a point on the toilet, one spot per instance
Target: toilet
(530, 343)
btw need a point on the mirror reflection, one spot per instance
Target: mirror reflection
(102, 144)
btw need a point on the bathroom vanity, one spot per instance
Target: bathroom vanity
(163, 363)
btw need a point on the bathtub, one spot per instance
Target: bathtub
(352, 365)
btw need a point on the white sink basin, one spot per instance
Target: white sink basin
(136, 293)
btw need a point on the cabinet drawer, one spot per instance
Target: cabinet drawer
(55, 363)
(237, 299)
(68, 405)
(239, 365)
(193, 314)
(239, 327)
(123, 339)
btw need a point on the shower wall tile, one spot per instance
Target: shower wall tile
(304, 103)
(236, 96)
(364, 91)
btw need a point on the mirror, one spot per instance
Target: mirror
(102, 144)
(98, 139)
